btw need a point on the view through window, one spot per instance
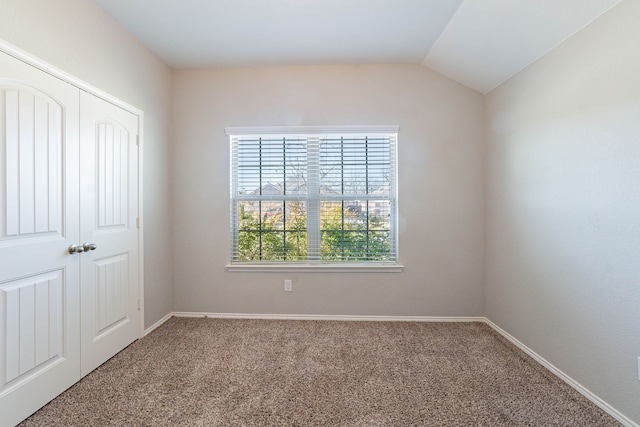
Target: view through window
(313, 197)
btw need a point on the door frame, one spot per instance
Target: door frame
(32, 60)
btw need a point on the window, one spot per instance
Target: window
(313, 196)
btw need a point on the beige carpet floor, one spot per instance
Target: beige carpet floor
(212, 372)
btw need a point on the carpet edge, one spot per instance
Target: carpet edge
(624, 420)
(157, 324)
(358, 318)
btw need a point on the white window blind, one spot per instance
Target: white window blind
(314, 197)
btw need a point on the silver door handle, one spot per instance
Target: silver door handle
(89, 247)
(76, 249)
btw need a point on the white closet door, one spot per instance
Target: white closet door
(39, 278)
(110, 313)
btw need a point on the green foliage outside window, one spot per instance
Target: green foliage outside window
(277, 235)
(276, 231)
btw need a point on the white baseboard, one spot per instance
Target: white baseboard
(329, 317)
(548, 365)
(157, 324)
(564, 377)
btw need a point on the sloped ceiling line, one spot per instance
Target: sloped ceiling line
(479, 43)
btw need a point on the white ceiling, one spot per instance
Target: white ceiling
(479, 43)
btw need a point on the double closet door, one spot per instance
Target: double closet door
(69, 237)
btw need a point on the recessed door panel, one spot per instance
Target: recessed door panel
(32, 329)
(111, 288)
(113, 146)
(31, 145)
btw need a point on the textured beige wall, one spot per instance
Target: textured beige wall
(563, 207)
(440, 187)
(79, 38)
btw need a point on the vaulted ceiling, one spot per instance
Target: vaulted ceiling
(479, 43)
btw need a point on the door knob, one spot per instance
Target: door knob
(76, 249)
(89, 247)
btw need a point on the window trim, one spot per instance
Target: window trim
(309, 130)
(307, 267)
(316, 266)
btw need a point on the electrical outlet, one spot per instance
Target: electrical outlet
(288, 286)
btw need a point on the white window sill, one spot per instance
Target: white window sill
(316, 268)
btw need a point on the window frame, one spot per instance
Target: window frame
(314, 265)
